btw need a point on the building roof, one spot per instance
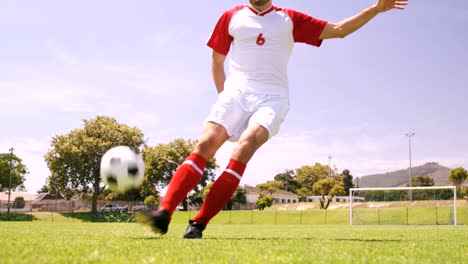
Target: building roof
(25, 195)
(46, 196)
(283, 192)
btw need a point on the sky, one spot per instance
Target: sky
(146, 63)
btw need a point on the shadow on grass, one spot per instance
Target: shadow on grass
(305, 239)
(155, 237)
(21, 217)
(366, 240)
(110, 217)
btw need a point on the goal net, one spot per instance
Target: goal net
(434, 205)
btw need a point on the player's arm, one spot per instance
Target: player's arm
(217, 69)
(349, 25)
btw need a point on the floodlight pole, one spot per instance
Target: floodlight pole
(329, 166)
(455, 205)
(410, 193)
(351, 206)
(56, 202)
(11, 172)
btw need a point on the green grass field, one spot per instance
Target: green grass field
(74, 240)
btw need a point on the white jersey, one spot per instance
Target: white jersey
(261, 46)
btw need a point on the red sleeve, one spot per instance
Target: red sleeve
(306, 28)
(220, 40)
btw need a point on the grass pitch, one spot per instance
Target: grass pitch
(81, 242)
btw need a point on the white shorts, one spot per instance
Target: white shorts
(235, 111)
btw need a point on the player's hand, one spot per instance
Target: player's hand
(385, 5)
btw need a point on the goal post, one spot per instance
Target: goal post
(354, 196)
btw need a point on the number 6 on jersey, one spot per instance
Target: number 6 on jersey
(260, 39)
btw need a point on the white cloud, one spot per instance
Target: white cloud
(137, 95)
(74, 86)
(61, 55)
(34, 97)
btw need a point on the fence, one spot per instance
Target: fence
(428, 216)
(68, 206)
(376, 216)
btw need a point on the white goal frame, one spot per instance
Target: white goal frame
(352, 190)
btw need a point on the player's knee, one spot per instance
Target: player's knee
(212, 138)
(207, 148)
(244, 149)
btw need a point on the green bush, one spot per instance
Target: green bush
(19, 202)
(264, 202)
(111, 217)
(151, 201)
(16, 217)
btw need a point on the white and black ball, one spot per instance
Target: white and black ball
(122, 169)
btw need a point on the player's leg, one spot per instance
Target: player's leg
(224, 187)
(225, 116)
(190, 172)
(186, 177)
(263, 124)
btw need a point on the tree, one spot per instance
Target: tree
(44, 189)
(289, 182)
(147, 188)
(239, 197)
(307, 176)
(130, 195)
(422, 181)
(206, 190)
(10, 164)
(266, 190)
(50, 187)
(264, 202)
(19, 202)
(12, 172)
(74, 160)
(327, 189)
(162, 160)
(458, 176)
(347, 179)
(269, 187)
(151, 201)
(378, 196)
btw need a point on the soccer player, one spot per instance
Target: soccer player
(253, 100)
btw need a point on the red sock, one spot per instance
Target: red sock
(221, 192)
(184, 180)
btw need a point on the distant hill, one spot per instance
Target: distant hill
(400, 178)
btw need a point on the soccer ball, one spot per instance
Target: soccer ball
(122, 169)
